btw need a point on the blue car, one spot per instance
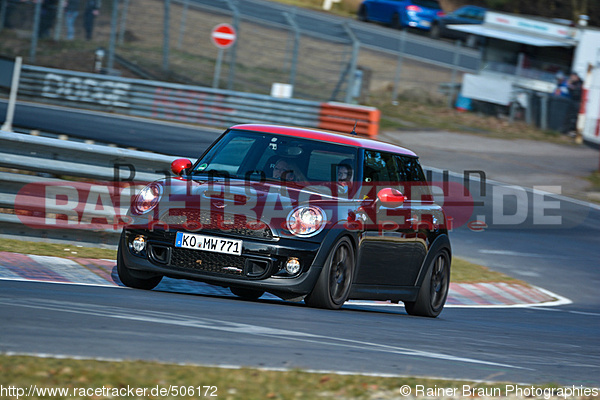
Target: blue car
(401, 13)
(463, 15)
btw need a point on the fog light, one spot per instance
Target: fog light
(139, 244)
(292, 266)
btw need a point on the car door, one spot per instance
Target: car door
(386, 249)
(383, 10)
(426, 217)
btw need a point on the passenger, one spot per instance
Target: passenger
(344, 176)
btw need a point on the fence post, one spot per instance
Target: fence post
(123, 24)
(529, 110)
(544, 112)
(233, 50)
(36, 31)
(513, 106)
(12, 100)
(294, 63)
(113, 36)
(353, 62)
(452, 92)
(399, 65)
(186, 6)
(3, 7)
(60, 13)
(166, 28)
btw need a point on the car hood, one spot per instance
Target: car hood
(238, 202)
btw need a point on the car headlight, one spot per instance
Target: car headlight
(147, 198)
(306, 221)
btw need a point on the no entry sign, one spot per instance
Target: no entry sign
(223, 36)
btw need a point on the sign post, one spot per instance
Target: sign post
(223, 36)
(12, 100)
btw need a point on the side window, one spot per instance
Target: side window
(411, 169)
(413, 179)
(380, 167)
(468, 13)
(463, 14)
(322, 165)
(474, 15)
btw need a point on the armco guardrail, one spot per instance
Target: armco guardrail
(189, 104)
(74, 180)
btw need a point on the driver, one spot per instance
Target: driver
(287, 171)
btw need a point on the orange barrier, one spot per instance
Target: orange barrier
(341, 117)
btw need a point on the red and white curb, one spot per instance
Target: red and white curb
(492, 295)
(100, 272)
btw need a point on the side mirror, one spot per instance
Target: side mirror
(180, 166)
(391, 197)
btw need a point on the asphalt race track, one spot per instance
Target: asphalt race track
(524, 345)
(106, 128)
(517, 345)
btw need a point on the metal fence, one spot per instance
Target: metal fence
(56, 175)
(330, 66)
(188, 104)
(72, 192)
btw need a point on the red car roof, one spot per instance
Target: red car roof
(324, 136)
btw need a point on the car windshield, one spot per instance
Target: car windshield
(427, 3)
(262, 156)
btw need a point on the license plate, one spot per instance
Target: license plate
(208, 243)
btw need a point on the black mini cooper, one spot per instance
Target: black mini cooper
(302, 214)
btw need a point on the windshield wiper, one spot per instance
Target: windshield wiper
(213, 172)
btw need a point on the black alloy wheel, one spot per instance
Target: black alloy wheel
(333, 286)
(434, 291)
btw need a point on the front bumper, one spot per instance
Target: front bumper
(260, 267)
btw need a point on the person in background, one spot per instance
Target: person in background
(92, 10)
(49, 9)
(562, 89)
(71, 13)
(575, 88)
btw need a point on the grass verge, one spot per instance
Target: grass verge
(462, 271)
(56, 250)
(104, 379)
(594, 179)
(410, 115)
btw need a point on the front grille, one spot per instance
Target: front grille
(215, 221)
(207, 261)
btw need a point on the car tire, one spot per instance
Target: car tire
(434, 291)
(434, 32)
(129, 280)
(333, 286)
(362, 14)
(249, 294)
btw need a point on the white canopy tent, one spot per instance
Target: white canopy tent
(514, 35)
